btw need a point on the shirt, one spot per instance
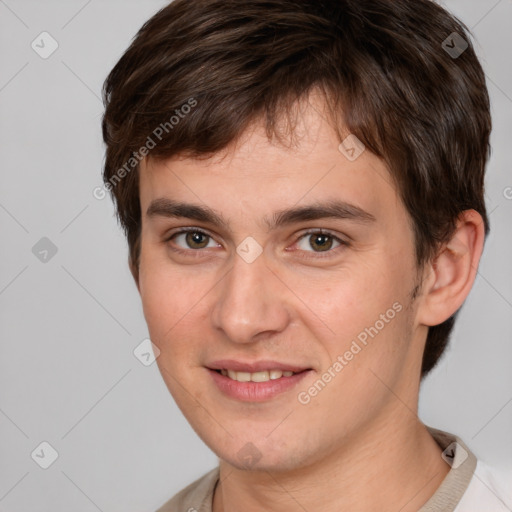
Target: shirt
(470, 485)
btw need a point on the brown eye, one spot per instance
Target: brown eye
(191, 239)
(196, 239)
(320, 242)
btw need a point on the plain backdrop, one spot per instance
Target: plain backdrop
(70, 313)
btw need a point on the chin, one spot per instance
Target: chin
(273, 464)
(261, 455)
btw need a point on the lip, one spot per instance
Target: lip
(255, 366)
(256, 391)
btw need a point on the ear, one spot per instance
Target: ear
(452, 274)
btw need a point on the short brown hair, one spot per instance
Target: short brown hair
(385, 70)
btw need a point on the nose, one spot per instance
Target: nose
(251, 303)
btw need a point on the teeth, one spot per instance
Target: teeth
(243, 376)
(256, 376)
(275, 374)
(260, 376)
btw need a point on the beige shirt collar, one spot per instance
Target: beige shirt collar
(198, 496)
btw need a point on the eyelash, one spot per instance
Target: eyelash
(188, 252)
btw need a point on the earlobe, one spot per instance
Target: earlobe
(453, 271)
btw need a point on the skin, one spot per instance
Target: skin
(358, 445)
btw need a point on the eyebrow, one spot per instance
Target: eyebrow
(333, 209)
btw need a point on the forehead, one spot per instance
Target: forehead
(260, 177)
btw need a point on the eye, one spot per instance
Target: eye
(320, 241)
(193, 239)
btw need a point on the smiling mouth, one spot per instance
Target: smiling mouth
(263, 376)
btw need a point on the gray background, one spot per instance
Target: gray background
(69, 325)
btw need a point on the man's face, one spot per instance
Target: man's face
(334, 306)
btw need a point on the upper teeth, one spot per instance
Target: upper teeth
(256, 376)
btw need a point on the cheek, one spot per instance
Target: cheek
(167, 295)
(365, 359)
(176, 303)
(353, 298)
(364, 319)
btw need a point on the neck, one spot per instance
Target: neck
(388, 466)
